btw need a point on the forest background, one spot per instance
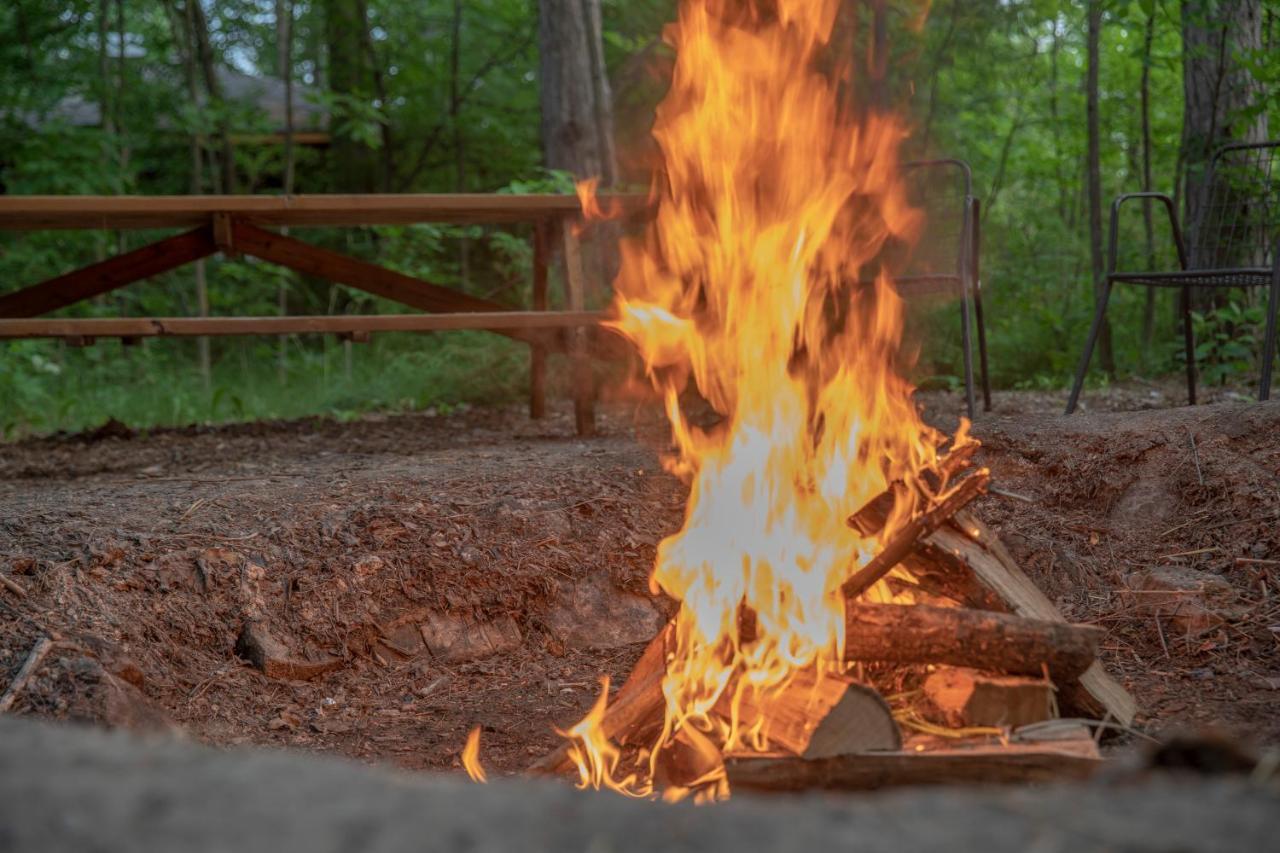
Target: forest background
(1058, 106)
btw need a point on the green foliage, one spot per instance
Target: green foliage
(411, 110)
(47, 386)
(1228, 342)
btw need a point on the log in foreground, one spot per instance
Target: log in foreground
(1009, 764)
(992, 642)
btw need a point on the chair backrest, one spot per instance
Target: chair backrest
(942, 189)
(1239, 219)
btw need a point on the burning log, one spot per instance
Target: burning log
(915, 634)
(906, 539)
(860, 721)
(787, 718)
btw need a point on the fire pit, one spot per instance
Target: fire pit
(843, 621)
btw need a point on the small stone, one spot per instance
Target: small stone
(595, 614)
(1189, 601)
(262, 648)
(127, 670)
(455, 639)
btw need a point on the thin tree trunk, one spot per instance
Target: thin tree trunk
(200, 27)
(104, 107)
(1055, 47)
(122, 149)
(459, 141)
(879, 54)
(943, 52)
(1093, 176)
(352, 163)
(380, 92)
(104, 66)
(1218, 87)
(180, 25)
(1006, 147)
(1149, 306)
(284, 69)
(1094, 169)
(602, 91)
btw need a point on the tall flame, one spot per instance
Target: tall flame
(774, 203)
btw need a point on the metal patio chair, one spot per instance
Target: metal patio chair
(1238, 245)
(946, 257)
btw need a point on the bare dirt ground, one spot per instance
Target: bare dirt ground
(392, 556)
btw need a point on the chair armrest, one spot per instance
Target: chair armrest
(1113, 235)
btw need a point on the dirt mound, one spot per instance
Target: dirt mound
(1164, 527)
(392, 583)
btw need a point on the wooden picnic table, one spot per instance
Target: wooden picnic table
(235, 225)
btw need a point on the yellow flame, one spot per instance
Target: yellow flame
(760, 280)
(595, 757)
(471, 757)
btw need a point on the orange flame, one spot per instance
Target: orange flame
(591, 209)
(471, 757)
(774, 204)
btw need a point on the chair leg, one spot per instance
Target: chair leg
(1189, 341)
(966, 343)
(1269, 342)
(982, 350)
(1098, 315)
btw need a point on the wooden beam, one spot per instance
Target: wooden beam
(581, 379)
(302, 137)
(35, 213)
(356, 325)
(104, 276)
(371, 278)
(537, 352)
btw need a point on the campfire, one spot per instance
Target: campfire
(825, 558)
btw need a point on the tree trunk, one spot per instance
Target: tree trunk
(603, 91)
(577, 116)
(1218, 88)
(459, 140)
(181, 24)
(353, 166)
(879, 55)
(1149, 307)
(1093, 169)
(577, 123)
(284, 68)
(386, 161)
(200, 29)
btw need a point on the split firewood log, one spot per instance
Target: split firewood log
(993, 642)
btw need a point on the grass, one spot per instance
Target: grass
(46, 386)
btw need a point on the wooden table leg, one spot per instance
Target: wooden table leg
(579, 358)
(538, 352)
